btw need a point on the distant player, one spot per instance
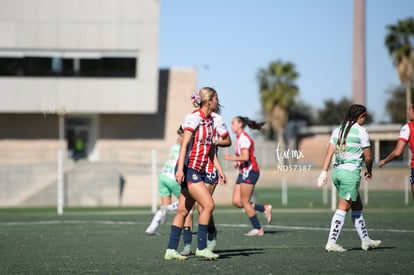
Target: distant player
(245, 161)
(351, 145)
(406, 137)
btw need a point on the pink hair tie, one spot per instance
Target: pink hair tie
(195, 97)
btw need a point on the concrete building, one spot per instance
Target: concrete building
(96, 62)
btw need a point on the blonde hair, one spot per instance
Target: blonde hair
(203, 95)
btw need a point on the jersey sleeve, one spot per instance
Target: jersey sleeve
(364, 137)
(244, 142)
(404, 133)
(221, 127)
(334, 135)
(190, 122)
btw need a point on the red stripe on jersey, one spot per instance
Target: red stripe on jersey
(202, 139)
(411, 141)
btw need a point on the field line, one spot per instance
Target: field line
(108, 222)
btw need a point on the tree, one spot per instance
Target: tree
(300, 111)
(277, 93)
(334, 112)
(396, 103)
(400, 42)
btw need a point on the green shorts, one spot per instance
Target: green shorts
(168, 186)
(347, 183)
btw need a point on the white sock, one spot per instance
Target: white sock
(337, 223)
(359, 224)
(155, 221)
(172, 207)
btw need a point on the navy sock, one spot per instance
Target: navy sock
(187, 235)
(202, 236)
(174, 237)
(259, 207)
(255, 222)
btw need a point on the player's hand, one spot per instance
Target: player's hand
(323, 178)
(226, 156)
(179, 176)
(367, 176)
(381, 163)
(222, 179)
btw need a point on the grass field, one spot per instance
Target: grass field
(112, 240)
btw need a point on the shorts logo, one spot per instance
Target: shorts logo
(194, 176)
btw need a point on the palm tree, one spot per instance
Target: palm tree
(400, 43)
(278, 90)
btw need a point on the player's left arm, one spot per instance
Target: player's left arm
(220, 173)
(225, 141)
(368, 162)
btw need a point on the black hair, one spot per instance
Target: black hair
(351, 117)
(180, 130)
(251, 123)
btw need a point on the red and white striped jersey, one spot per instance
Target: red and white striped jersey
(198, 149)
(407, 135)
(245, 142)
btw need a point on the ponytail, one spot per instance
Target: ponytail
(251, 123)
(351, 117)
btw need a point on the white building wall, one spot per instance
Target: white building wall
(82, 25)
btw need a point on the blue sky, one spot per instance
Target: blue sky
(228, 41)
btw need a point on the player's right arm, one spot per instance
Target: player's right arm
(323, 177)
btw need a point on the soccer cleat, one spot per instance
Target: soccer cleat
(163, 216)
(186, 250)
(333, 247)
(150, 231)
(207, 254)
(172, 254)
(369, 244)
(255, 232)
(268, 213)
(212, 240)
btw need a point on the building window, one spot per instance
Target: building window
(68, 64)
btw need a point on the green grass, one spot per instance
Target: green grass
(112, 240)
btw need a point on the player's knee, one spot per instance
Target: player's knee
(209, 207)
(182, 212)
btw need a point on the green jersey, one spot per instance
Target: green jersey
(169, 165)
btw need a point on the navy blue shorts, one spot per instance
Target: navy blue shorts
(251, 178)
(211, 177)
(412, 176)
(191, 176)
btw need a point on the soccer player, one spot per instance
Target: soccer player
(167, 186)
(222, 139)
(191, 173)
(351, 145)
(406, 137)
(245, 160)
